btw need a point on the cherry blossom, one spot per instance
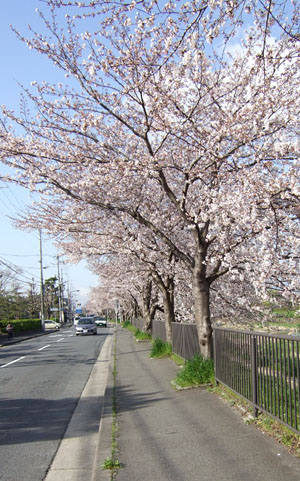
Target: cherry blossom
(182, 155)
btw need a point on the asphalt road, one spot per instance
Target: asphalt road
(41, 381)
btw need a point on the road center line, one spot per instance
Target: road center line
(60, 339)
(44, 347)
(11, 362)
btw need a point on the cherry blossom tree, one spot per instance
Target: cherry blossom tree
(116, 248)
(158, 129)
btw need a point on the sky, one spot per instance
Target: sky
(20, 249)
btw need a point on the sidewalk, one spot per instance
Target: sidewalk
(23, 336)
(20, 336)
(189, 435)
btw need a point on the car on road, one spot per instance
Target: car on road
(49, 324)
(101, 321)
(86, 325)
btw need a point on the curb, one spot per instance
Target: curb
(76, 456)
(104, 445)
(16, 340)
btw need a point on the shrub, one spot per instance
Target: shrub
(142, 336)
(22, 325)
(160, 348)
(195, 372)
(126, 324)
(129, 326)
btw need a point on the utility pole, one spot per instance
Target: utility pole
(117, 307)
(60, 301)
(42, 285)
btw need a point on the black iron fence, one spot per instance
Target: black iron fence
(159, 330)
(185, 340)
(184, 337)
(262, 368)
(138, 323)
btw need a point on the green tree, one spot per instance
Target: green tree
(51, 291)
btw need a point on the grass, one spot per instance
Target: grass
(112, 463)
(129, 326)
(196, 372)
(285, 312)
(279, 432)
(265, 423)
(161, 349)
(138, 334)
(142, 336)
(178, 360)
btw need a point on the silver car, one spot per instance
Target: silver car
(86, 325)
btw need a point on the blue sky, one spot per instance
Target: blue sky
(21, 65)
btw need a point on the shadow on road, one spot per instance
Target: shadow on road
(35, 420)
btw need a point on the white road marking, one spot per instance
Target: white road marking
(44, 347)
(11, 362)
(40, 349)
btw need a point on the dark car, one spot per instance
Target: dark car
(86, 325)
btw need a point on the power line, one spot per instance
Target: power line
(26, 255)
(16, 269)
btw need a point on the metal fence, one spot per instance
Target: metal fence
(159, 330)
(262, 368)
(138, 323)
(185, 340)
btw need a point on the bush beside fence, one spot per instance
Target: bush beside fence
(184, 338)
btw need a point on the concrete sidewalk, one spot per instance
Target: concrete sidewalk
(189, 435)
(25, 335)
(21, 336)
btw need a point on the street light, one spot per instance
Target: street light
(69, 302)
(117, 307)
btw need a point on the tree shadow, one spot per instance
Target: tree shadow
(31, 420)
(129, 400)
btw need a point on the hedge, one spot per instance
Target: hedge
(21, 325)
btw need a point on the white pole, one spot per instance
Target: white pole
(42, 285)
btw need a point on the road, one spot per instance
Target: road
(41, 381)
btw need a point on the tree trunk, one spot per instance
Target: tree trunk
(168, 300)
(148, 308)
(147, 320)
(201, 289)
(167, 290)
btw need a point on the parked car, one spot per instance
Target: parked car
(49, 324)
(86, 325)
(101, 321)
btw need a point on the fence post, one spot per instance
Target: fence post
(254, 374)
(215, 355)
